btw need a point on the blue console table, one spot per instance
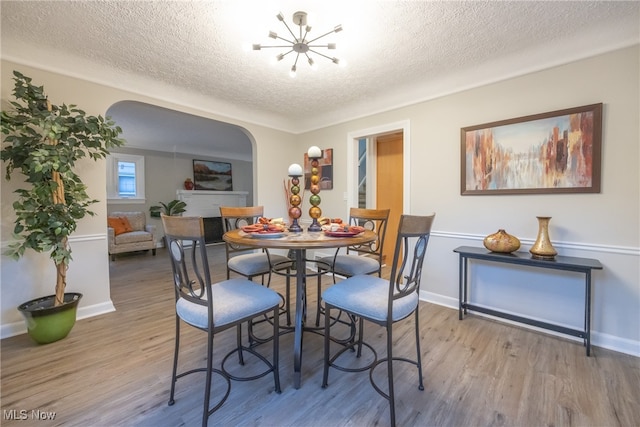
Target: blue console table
(580, 265)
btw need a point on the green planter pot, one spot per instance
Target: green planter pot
(46, 323)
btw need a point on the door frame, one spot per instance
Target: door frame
(352, 160)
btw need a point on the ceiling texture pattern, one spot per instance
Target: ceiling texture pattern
(398, 52)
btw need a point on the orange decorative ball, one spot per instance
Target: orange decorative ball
(315, 212)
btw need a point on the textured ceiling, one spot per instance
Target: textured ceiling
(398, 52)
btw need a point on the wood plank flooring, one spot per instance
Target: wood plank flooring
(114, 370)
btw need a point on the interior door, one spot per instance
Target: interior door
(389, 188)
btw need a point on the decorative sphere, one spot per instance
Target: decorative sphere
(295, 199)
(314, 171)
(315, 179)
(295, 189)
(314, 200)
(295, 181)
(314, 188)
(295, 212)
(314, 163)
(315, 212)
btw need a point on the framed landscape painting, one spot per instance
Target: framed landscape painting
(555, 152)
(211, 175)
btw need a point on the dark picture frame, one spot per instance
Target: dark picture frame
(555, 152)
(325, 170)
(212, 175)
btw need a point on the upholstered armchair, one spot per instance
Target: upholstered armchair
(129, 232)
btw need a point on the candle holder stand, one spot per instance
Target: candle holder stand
(314, 211)
(294, 200)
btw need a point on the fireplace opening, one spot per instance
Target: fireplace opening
(213, 229)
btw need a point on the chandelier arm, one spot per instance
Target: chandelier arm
(319, 37)
(296, 62)
(290, 32)
(321, 54)
(286, 40)
(319, 45)
(281, 46)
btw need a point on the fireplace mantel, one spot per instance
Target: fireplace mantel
(207, 203)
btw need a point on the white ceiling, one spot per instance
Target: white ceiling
(398, 52)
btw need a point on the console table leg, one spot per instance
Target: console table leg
(587, 311)
(460, 278)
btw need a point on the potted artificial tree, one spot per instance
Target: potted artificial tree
(43, 142)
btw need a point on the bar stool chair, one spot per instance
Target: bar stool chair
(214, 307)
(359, 259)
(246, 262)
(383, 302)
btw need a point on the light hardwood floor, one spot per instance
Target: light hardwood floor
(114, 370)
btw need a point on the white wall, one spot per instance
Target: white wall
(604, 226)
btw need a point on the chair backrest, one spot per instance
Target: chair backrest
(236, 217)
(138, 220)
(189, 263)
(405, 277)
(374, 220)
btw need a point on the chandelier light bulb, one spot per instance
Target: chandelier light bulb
(292, 73)
(312, 64)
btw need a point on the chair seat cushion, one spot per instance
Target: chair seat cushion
(133, 237)
(254, 264)
(352, 265)
(367, 296)
(232, 300)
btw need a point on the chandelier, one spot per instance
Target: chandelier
(300, 45)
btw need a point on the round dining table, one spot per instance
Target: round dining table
(299, 243)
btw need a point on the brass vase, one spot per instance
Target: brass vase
(543, 248)
(502, 242)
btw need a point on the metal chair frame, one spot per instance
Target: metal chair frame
(406, 274)
(192, 282)
(236, 217)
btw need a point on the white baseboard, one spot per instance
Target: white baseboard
(18, 328)
(598, 339)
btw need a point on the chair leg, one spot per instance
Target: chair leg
(239, 342)
(327, 342)
(288, 296)
(175, 363)
(360, 334)
(276, 349)
(319, 298)
(207, 390)
(153, 251)
(392, 402)
(419, 358)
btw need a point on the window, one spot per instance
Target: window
(125, 177)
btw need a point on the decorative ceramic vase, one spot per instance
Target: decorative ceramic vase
(188, 184)
(501, 241)
(543, 248)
